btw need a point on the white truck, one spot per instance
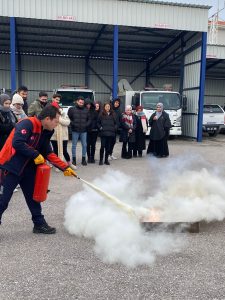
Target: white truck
(213, 119)
(70, 93)
(172, 101)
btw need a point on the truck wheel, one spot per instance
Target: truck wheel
(213, 133)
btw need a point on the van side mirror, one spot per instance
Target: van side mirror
(184, 102)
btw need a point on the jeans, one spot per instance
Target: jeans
(83, 139)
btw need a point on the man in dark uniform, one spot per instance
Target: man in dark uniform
(28, 146)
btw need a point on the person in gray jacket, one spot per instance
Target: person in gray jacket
(79, 121)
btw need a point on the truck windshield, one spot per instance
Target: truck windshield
(68, 97)
(169, 100)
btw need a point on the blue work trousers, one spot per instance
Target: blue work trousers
(9, 181)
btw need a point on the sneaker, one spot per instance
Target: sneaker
(73, 167)
(57, 170)
(110, 157)
(113, 157)
(44, 228)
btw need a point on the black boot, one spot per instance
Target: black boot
(92, 160)
(84, 163)
(101, 157)
(74, 162)
(89, 159)
(44, 228)
(106, 160)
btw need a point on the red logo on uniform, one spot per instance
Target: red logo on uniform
(23, 131)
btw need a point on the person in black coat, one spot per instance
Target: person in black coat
(140, 132)
(107, 127)
(127, 135)
(92, 131)
(160, 126)
(7, 119)
(79, 121)
(118, 114)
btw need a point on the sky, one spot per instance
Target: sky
(213, 3)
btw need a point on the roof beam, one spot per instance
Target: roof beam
(96, 40)
(214, 64)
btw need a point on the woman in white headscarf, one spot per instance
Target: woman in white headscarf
(127, 134)
(160, 126)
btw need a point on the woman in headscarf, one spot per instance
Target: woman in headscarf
(140, 132)
(160, 126)
(127, 134)
(17, 107)
(7, 119)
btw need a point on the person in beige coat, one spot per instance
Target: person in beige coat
(60, 137)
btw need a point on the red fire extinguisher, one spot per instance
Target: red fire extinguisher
(41, 182)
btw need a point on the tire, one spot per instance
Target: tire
(213, 133)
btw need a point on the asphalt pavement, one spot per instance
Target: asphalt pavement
(63, 266)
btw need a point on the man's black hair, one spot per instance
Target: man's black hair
(56, 96)
(22, 88)
(80, 98)
(49, 111)
(43, 94)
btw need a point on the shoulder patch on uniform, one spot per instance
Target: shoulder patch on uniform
(23, 131)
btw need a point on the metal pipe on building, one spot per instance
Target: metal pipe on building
(202, 86)
(13, 53)
(115, 60)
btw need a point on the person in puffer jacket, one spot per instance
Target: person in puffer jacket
(107, 126)
(80, 121)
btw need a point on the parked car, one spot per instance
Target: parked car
(213, 119)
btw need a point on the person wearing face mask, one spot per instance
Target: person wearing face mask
(160, 126)
(7, 119)
(36, 107)
(127, 135)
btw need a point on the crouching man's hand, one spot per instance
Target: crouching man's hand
(39, 160)
(69, 172)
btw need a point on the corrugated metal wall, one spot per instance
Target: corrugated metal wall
(111, 12)
(191, 85)
(215, 91)
(48, 73)
(215, 51)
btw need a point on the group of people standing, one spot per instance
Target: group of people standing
(89, 120)
(27, 139)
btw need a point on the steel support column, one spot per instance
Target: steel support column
(115, 60)
(202, 86)
(86, 72)
(13, 53)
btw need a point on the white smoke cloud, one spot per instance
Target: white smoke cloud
(185, 192)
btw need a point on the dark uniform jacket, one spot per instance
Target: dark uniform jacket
(80, 118)
(24, 144)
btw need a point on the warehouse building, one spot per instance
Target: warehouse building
(96, 43)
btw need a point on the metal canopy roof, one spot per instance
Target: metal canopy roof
(58, 38)
(171, 3)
